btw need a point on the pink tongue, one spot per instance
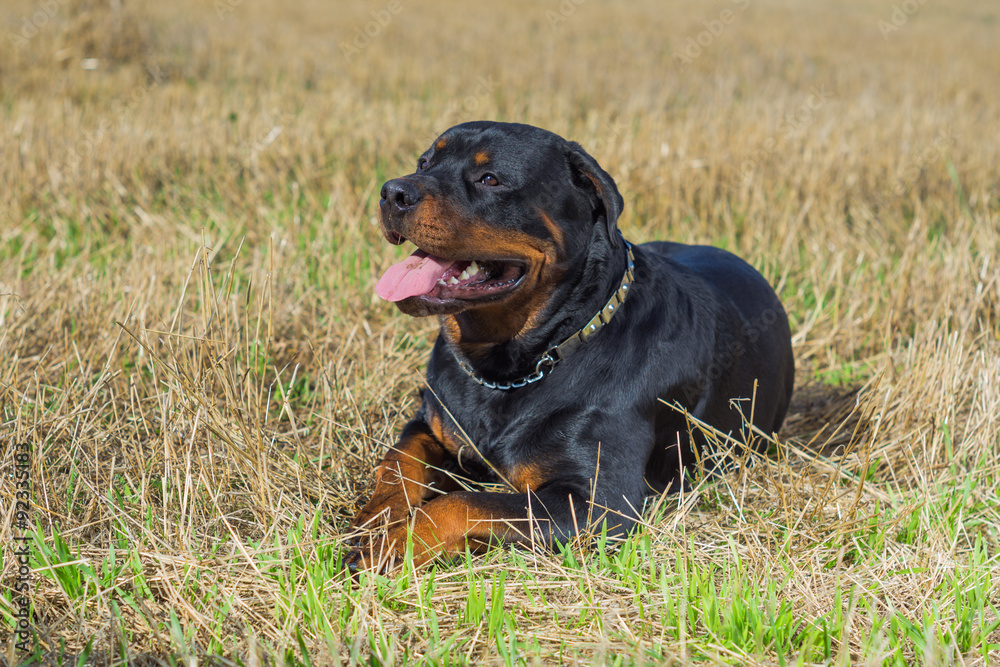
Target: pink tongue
(417, 274)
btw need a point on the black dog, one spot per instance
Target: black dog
(562, 349)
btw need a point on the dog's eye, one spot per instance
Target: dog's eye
(421, 164)
(490, 180)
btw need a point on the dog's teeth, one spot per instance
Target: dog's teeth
(473, 268)
(453, 280)
(441, 281)
(464, 275)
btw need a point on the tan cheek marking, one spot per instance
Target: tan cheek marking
(524, 312)
(438, 225)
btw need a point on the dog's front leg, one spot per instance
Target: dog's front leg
(446, 525)
(402, 481)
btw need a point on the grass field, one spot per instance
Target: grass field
(197, 378)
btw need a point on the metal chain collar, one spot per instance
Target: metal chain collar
(557, 353)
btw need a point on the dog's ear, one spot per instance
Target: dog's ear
(582, 163)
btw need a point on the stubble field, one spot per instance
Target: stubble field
(196, 377)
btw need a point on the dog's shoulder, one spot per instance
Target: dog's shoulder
(712, 273)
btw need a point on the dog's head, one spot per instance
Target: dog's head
(498, 211)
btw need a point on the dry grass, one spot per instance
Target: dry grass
(190, 342)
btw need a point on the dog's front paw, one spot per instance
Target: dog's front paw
(377, 554)
(379, 535)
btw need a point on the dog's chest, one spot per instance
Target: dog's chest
(504, 440)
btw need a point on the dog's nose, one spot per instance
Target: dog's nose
(399, 195)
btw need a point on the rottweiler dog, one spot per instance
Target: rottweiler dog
(567, 357)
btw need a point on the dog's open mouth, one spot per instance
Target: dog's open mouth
(423, 274)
